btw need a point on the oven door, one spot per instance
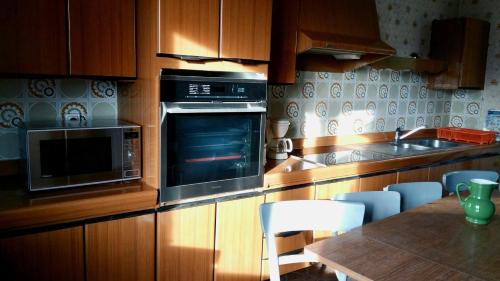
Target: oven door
(210, 148)
(64, 158)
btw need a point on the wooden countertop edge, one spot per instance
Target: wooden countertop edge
(75, 210)
(299, 177)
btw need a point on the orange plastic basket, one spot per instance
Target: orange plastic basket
(466, 135)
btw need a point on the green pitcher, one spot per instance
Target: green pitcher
(478, 206)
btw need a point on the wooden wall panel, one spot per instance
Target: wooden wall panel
(415, 175)
(45, 256)
(121, 249)
(238, 240)
(189, 28)
(33, 37)
(102, 37)
(185, 245)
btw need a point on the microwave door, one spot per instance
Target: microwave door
(46, 159)
(94, 155)
(65, 158)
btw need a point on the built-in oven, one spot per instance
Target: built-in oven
(212, 133)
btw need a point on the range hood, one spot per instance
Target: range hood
(324, 35)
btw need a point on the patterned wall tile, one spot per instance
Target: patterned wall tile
(23, 100)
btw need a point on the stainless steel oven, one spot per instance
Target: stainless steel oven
(60, 155)
(212, 133)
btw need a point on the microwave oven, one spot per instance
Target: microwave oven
(70, 154)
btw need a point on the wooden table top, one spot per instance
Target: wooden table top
(432, 242)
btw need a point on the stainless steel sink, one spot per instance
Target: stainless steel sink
(410, 147)
(433, 143)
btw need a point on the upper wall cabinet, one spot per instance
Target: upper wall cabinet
(189, 28)
(463, 44)
(68, 37)
(33, 35)
(245, 29)
(225, 29)
(102, 37)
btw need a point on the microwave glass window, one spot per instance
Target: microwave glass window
(212, 147)
(74, 156)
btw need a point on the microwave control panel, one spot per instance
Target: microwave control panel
(132, 153)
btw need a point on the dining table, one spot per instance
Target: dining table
(430, 242)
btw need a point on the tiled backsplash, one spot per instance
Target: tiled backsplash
(361, 101)
(48, 99)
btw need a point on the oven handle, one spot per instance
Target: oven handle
(180, 108)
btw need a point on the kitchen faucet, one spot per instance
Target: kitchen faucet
(398, 136)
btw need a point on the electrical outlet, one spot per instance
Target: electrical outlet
(72, 117)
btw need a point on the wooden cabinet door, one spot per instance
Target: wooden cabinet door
(245, 29)
(415, 175)
(45, 256)
(375, 183)
(189, 28)
(289, 243)
(121, 249)
(33, 37)
(185, 244)
(238, 240)
(102, 38)
(489, 163)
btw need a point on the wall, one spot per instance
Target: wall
(469, 107)
(23, 100)
(369, 100)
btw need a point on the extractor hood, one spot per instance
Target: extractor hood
(324, 35)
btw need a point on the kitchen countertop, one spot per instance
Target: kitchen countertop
(294, 171)
(21, 209)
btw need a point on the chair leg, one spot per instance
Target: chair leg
(340, 276)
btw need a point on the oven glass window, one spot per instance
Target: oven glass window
(78, 156)
(212, 147)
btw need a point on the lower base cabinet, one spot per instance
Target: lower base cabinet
(121, 249)
(238, 240)
(185, 244)
(44, 256)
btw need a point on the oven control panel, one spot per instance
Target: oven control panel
(132, 153)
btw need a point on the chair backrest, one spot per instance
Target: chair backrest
(378, 204)
(451, 179)
(298, 215)
(414, 194)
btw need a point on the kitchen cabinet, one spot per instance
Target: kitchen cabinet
(436, 172)
(488, 163)
(102, 38)
(185, 245)
(189, 28)
(245, 29)
(215, 29)
(325, 191)
(414, 175)
(34, 37)
(121, 249)
(463, 44)
(68, 37)
(294, 241)
(44, 256)
(377, 183)
(238, 240)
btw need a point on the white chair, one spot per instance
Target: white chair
(378, 204)
(414, 194)
(452, 179)
(301, 215)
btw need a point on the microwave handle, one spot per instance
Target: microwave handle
(179, 108)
